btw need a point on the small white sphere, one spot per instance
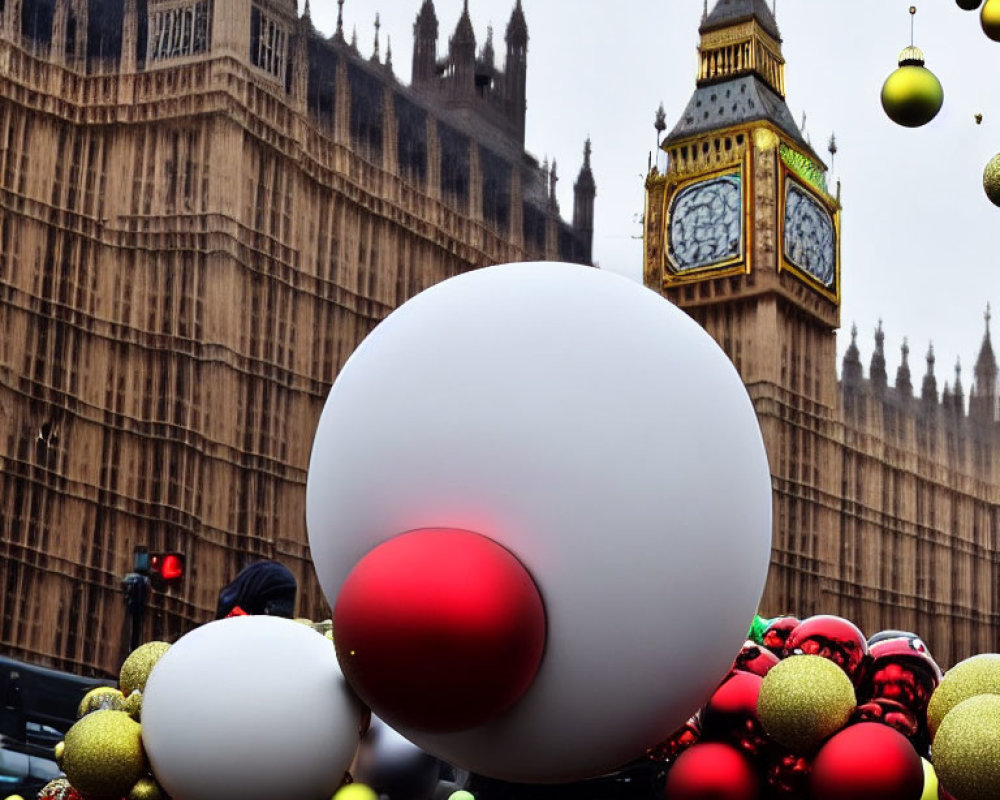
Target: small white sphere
(602, 437)
(250, 708)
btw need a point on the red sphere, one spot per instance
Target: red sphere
(867, 761)
(901, 669)
(439, 630)
(777, 633)
(680, 740)
(832, 637)
(787, 775)
(755, 658)
(712, 771)
(890, 713)
(731, 714)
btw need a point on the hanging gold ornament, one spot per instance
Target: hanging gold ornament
(103, 755)
(103, 698)
(912, 95)
(146, 789)
(136, 669)
(989, 17)
(57, 753)
(991, 179)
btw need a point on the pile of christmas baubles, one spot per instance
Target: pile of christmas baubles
(811, 710)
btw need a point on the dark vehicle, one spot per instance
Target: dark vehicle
(37, 707)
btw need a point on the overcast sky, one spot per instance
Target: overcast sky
(920, 240)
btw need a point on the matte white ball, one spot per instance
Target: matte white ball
(250, 708)
(600, 435)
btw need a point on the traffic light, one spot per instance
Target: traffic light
(167, 568)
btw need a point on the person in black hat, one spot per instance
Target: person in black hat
(263, 587)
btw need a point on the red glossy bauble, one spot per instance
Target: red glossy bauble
(712, 770)
(755, 658)
(889, 712)
(867, 761)
(731, 714)
(688, 735)
(787, 775)
(439, 630)
(835, 638)
(776, 633)
(901, 669)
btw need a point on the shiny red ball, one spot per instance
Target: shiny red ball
(787, 775)
(439, 630)
(867, 761)
(731, 714)
(755, 658)
(890, 713)
(712, 770)
(685, 737)
(777, 633)
(835, 638)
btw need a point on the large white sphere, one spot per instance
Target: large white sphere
(600, 435)
(250, 708)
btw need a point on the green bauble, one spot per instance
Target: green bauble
(912, 95)
(991, 179)
(989, 17)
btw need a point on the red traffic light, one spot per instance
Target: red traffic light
(168, 566)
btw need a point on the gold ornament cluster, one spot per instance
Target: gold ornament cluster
(102, 754)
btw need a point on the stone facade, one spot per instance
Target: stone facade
(886, 503)
(204, 206)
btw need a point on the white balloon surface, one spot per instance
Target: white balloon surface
(250, 708)
(599, 434)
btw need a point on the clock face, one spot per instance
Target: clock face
(810, 238)
(706, 224)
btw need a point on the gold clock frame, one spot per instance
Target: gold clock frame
(737, 265)
(832, 207)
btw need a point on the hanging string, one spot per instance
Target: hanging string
(913, 13)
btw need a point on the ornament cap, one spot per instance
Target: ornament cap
(911, 57)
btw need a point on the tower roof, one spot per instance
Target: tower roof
(426, 25)
(986, 363)
(729, 12)
(517, 28)
(742, 99)
(464, 34)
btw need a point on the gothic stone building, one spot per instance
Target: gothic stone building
(204, 206)
(887, 504)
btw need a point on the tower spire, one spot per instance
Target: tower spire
(378, 24)
(339, 35)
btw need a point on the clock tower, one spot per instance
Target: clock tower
(742, 232)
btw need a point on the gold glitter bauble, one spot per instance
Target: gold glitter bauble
(146, 789)
(136, 669)
(103, 698)
(912, 95)
(989, 17)
(977, 675)
(803, 700)
(991, 179)
(13, 797)
(133, 705)
(57, 753)
(967, 749)
(355, 791)
(104, 755)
